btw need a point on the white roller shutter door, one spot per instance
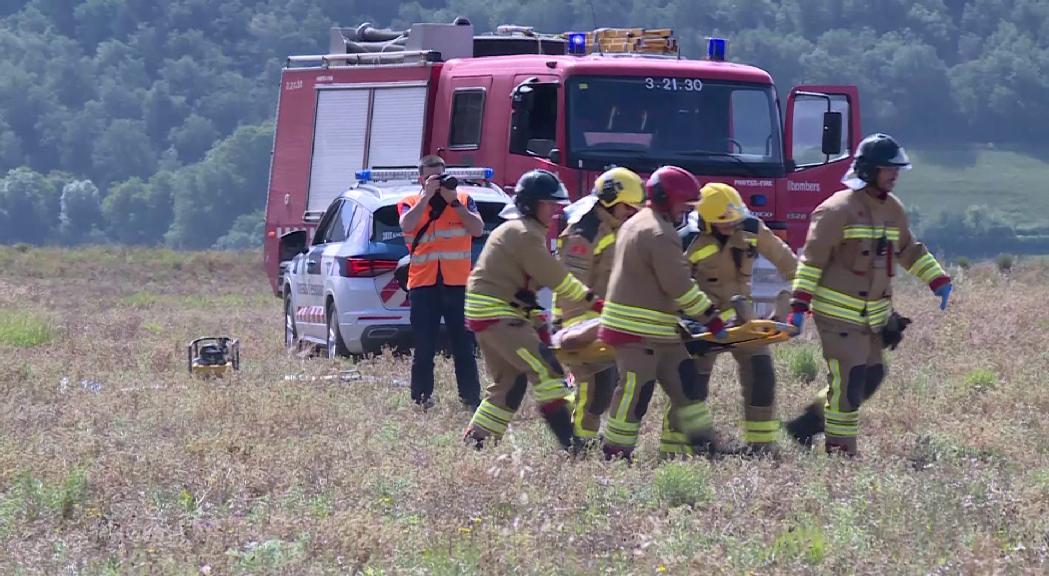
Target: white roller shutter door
(338, 144)
(397, 126)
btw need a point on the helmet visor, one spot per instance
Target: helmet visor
(901, 160)
(510, 212)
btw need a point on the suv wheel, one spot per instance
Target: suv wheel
(336, 347)
(291, 337)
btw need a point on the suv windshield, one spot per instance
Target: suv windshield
(710, 127)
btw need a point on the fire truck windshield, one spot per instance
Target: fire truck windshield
(710, 127)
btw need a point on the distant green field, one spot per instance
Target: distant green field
(953, 180)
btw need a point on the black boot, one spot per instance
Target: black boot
(559, 419)
(581, 446)
(804, 427)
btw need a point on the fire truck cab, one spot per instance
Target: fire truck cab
(574, 103)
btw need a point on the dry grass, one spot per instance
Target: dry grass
(113, 461)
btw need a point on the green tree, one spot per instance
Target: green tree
(246, 232)
(193, 138)
(126, 212)
(231, 181)
(123, 150)
(11, 154)
(81, 213)
(26, 198)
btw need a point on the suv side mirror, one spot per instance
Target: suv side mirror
(832, 133)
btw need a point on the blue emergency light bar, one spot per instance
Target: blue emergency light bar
(716, 49)
(411, 174)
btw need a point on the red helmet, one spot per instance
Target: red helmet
(670, 185)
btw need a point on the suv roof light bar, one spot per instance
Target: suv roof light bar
(411, 174)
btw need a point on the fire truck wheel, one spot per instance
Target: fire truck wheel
(336, 347)
(291, 336)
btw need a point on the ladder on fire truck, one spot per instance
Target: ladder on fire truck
(424, 43)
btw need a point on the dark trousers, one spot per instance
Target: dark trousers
(429, 304)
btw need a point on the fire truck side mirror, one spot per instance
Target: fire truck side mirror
(523, 102)
(524, 99)
(291, 244)
(832, 133)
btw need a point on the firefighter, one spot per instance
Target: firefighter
(501, 302)
(844, 279)
(722, 256)
(586, 248)
(650, 284)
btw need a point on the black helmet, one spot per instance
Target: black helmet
(535, 186)
(875, 151)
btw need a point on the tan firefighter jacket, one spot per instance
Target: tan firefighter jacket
(514, 263)
(651, 282)
(854, 242)
(722, 266)
(586, 248)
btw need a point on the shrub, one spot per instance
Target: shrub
(683, 483)
(981, 380)
(803, 364)
(1004, 262)
(22, 330)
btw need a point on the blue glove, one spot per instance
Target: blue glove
(797, 320)
(717, 328)
(944, 292)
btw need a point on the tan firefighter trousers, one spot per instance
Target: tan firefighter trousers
(515, 356)
(594, 385)
(757, 380)
(855, 370)
(640, 366)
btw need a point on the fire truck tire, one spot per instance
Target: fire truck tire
(336, 346)
(291, 333)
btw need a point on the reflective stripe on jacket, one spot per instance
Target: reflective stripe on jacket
(586, 248)
(651, 282)
(846, 268)
(444, 247)
(514, 264)
(723, 266)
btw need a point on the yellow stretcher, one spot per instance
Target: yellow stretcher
(752, 333)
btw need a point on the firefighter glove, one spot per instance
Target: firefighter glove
(944, 292)
(544, 335)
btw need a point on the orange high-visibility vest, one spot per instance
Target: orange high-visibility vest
(444, 247)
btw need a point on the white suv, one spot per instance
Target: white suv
(340, 291)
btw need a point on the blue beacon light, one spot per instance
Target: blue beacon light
(716, 49)
(577, 43)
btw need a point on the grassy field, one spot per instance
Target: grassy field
(952, 180)
(114, 461)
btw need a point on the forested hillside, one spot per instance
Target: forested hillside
(151, 122)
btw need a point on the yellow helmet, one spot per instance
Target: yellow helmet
(619, 185)
(720, 204)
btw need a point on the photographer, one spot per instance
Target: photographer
(439, 225)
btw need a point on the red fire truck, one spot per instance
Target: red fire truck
(574, 103)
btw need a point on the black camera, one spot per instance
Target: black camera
(448, 181)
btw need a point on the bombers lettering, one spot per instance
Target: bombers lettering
(803, 186)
